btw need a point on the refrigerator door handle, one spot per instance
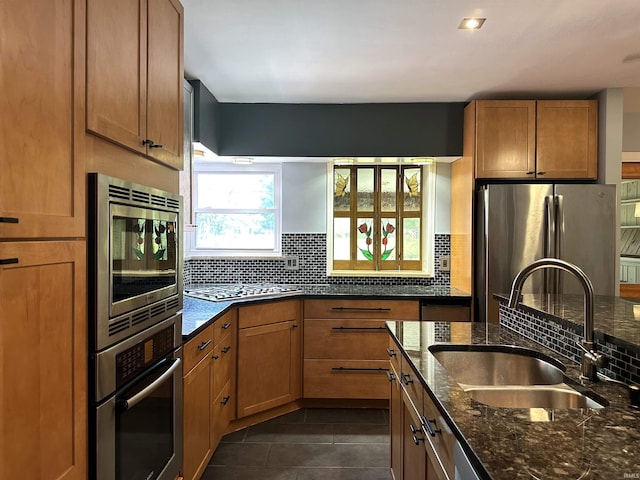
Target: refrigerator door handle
(549, 242)
(485, 232)
(559, 239)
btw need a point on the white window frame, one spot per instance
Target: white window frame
(208, 167)
(428, 220)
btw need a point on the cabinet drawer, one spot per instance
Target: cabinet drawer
(441, 437)
(345, 339)
(374, 309)
(223, 359)
(197, 348)
(267, 313)
(394, 353)
(412, 386)
(346, 379)
(224, 325)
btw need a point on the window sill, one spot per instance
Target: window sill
(252, 256)
(374, 273)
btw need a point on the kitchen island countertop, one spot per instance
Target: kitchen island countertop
(197, 314)
(518, 443)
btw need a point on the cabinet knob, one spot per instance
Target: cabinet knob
(391, 352)
(225, 400)
(406, 378)
(226, 349)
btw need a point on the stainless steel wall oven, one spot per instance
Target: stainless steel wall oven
(135, 325)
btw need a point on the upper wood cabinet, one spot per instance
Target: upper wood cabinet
(544, 139)
(135, 74)
(41, 168)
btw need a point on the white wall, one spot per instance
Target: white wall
(631, 132)
(304, 189)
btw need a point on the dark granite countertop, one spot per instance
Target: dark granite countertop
(615, 319)
(518, 443)
(197, 314)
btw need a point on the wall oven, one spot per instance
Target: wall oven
(135, 331)
(135, 257)
(138, 412)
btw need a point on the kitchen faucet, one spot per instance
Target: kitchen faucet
(591, 359)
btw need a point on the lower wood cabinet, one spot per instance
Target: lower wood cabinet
(269, 356)
(421, 442)
(208, 392)
(43, 360)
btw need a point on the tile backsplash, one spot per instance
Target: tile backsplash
(561, 337)
(310, 248)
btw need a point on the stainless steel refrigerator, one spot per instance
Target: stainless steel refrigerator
(519, 223)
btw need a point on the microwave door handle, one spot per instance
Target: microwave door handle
(125, 404)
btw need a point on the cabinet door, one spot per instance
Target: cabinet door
(196, 420)
(505, 139)
(396, 423)
(117, 71)
(414, 460)
(43, 360)
(164, 81)
(42, 171)
(567, 139)
(268, 366)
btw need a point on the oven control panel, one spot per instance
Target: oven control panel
(134, 360)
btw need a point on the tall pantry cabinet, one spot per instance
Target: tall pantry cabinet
(46, 149)
(43, 361)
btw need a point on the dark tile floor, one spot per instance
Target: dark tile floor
(308, 444)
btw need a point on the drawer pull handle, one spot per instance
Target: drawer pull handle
(541, 173)
(406, 378)
(225, 400)
(354, 369)
(8, 220)
(204, 345)
(390, 376)
(391, 352)
(371, 329)
(225, 326)
(432, 430)
(215, 357)
(363, 309)
(415, 431)
(8, 261)
(226, 349)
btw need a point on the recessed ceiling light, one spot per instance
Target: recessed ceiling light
(473, 23)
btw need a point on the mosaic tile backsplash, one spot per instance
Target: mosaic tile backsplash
(562, 337)
(311, 251)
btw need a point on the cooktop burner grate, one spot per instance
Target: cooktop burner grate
(224, 293)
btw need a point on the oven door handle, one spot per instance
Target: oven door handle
(124, 404)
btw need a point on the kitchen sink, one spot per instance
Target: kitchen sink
(498, 365)
(511, 377)
(533, 396)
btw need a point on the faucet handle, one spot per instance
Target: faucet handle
(596, 359)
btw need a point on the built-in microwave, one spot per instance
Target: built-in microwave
(135, 257)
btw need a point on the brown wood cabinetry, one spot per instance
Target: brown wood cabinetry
(134, 72)
(269, 365)
(422, 444)
(42, 186)
(43, 360)
(535, 139)
(345, 345)
(208, 392)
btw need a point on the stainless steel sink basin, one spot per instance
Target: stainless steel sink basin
(497, 365)
(533, 396)
(512, 377)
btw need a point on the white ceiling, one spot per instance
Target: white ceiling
(351, 51)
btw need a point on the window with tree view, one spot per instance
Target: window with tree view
(237, 211)
(378, 217)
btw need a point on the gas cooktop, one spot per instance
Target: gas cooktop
(225, 293)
